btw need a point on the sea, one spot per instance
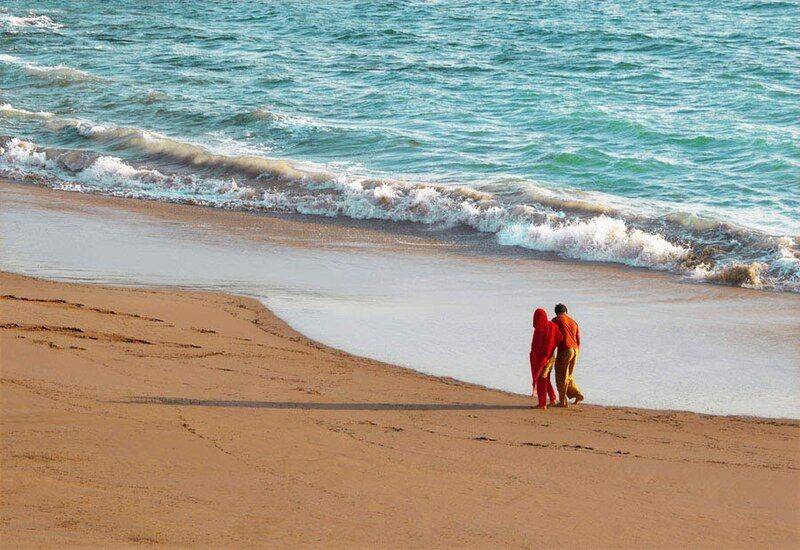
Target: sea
(660, 135)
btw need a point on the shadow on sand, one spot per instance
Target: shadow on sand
(147, 400)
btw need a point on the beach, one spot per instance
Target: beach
(140, 416)
(269, 274)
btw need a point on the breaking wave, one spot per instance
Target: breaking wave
(187, 173)
(179, 154)
(601, 239)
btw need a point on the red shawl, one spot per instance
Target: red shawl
(546, 338)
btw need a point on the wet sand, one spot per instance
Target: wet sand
(141, 416)
(449, 307)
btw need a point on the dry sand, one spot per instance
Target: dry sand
(162, 417)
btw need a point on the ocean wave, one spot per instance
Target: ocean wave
(162, 148)
(9, 111)
(57, 74)
(190, 173)
(86, 171)
(30, 21)
(601, 238)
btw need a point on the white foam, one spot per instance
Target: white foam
(288, 121)
(30, 21)
(113, 167)
(87, 129)
(120, 177)
(112, 175)
(18, 153)
(600, 238)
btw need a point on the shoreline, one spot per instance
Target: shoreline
(596, 233)
(371, 293)
(258, 304)
(375, 232)
(116, 401)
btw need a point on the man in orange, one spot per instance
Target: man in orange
(567, 357)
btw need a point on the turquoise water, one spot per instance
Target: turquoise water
(662, 135)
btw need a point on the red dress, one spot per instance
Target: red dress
(546, 337)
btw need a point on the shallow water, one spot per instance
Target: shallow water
(657, 135)
(648, 341)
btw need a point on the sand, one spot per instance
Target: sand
(140, 416)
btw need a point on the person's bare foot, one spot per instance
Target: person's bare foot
(562, 405)
(577, 400)
(541, 406)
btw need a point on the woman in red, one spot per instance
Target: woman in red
(546, 337)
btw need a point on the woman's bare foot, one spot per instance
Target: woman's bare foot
(577, 400)
(541, 406)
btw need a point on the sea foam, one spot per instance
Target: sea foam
(30, 21)
(601, 238)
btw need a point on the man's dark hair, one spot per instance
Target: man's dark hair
(560, 308)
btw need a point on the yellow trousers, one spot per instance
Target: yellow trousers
(565, 365)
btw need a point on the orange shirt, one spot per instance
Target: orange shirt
(569, 328)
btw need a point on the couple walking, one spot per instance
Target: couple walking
(561, 333)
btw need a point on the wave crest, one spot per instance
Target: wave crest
(8, 111)
(57, 74)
